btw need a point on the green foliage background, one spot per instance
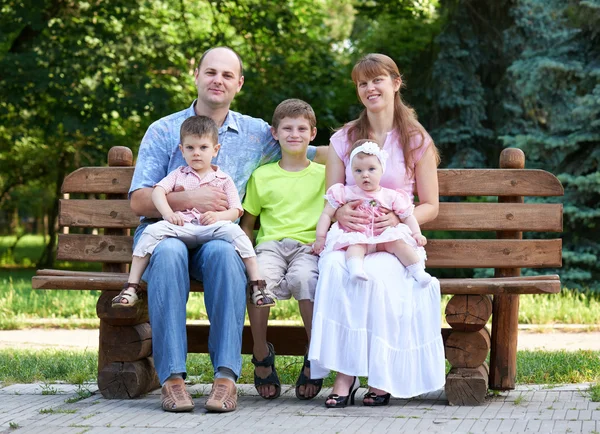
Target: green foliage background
(77, 77)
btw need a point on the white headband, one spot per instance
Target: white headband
(371, 148)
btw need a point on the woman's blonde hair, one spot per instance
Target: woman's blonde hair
(405, 119)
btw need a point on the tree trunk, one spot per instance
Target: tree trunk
(47, 258)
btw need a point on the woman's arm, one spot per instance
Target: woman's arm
(427, 188)
(335, 170)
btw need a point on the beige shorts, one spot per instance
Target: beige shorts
(289, 267)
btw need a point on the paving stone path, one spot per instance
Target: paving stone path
(56, 408)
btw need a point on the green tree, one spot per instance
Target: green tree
(81, 76)
(552, 112)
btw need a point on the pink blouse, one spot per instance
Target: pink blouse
(395, 171)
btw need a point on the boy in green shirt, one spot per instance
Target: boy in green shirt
(288, 197)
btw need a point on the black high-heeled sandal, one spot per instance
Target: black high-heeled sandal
(377, 400)
(342, 401)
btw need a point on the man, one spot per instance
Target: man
(246, 143)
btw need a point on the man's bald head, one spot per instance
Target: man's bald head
(225, 50)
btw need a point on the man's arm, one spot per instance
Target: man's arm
(321, 154)
(204, 199)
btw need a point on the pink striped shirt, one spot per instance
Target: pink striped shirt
(184, 179)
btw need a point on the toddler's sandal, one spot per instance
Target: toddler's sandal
(257, 291)
(128, 295)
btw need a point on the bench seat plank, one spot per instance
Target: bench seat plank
(441, 253)
(87, 213)
(452, 182)
(67, 280)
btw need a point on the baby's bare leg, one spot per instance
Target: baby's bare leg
(355, 255)
(409, 258)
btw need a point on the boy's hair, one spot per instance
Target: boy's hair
(294, 108)
(200, 126)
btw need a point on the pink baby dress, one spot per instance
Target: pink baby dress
(398, 201)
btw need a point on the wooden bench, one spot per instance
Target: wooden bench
(125, 367)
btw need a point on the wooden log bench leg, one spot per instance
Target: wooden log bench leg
(125, 365)
(467, 346)
(505, 319)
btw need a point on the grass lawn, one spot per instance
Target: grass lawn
(22, 307)
(76, 367)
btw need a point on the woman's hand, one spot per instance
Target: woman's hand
(385, 221)
(351, 218)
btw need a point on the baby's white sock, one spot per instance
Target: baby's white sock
(417, 271)
(355, 268)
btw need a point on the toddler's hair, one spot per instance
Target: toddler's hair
(201, 126)
(294, 108)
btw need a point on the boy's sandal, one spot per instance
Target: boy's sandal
(303, 380)
(128, 295)
(257, 291)
(273, 378)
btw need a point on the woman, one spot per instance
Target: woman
(387, 328)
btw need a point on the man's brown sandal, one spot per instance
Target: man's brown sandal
(128, 295)
(175, 398)
(223, 396)
(257, 291)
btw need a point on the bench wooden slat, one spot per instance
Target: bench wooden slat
(452, 216)
(494, 253)
(441, 253)
(67, 280)
(110, 213)
(463, 216)
(498, 182)
(94, 248)
(110, 180)
(453, 182)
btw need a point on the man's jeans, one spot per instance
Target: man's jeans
(223, 274)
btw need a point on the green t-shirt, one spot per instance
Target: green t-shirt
(289, 203)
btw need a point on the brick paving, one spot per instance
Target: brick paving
(55, 408)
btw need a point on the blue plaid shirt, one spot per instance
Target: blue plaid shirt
(246, 143)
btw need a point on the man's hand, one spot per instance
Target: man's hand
(318, 245)
(208, 198)
(209, 217)
(349, 217)
(420, 239)
(389, 219)
(174, 218)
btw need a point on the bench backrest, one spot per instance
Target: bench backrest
(110, 213)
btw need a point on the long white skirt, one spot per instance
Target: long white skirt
(386, 329)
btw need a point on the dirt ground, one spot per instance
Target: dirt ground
(570, 339)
